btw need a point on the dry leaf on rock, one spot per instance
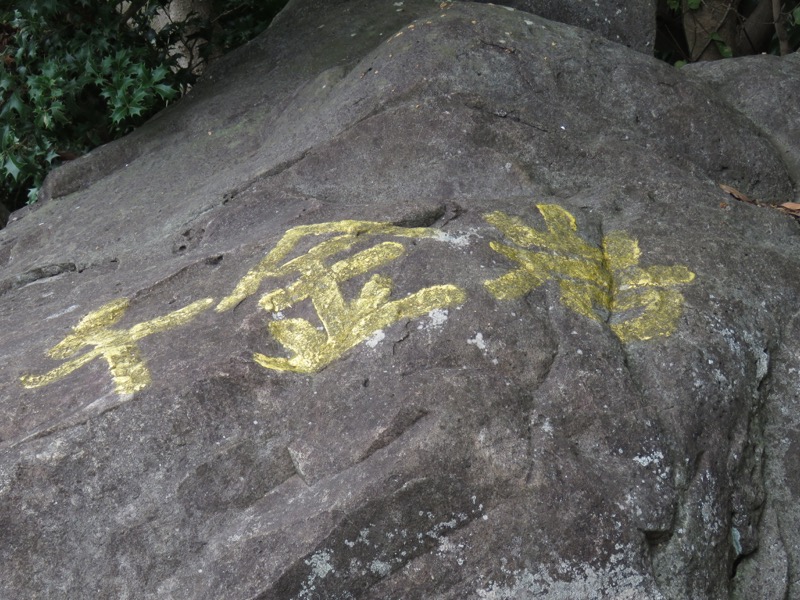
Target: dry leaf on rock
(736, 193)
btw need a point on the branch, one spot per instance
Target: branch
(134, 7)
(712, 17)
(757, 29)
(780, 30)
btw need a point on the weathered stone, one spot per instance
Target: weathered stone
(765, 89)
(77, 175)
(452, 307)
(632, 24)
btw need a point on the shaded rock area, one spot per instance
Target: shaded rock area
(765, 88)
(632, 24)
(443, 302)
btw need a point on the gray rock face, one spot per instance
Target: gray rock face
(632, 24)
(435, 303)
(764, 88)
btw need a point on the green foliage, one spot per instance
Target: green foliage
(75, 74)
(723, 48)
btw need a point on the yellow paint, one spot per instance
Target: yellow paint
(603, 284)
(345, 323)
(647, 291)
(349, 233)
(118, 347)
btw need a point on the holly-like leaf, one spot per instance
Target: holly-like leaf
(14, 103)
(159, 74)
(166, 92)
(11, 168)
(118, 115)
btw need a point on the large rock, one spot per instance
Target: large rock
(630, 23)
(437, 303)
(765, 89)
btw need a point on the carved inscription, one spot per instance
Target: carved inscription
(346, 323)
(118, 347)
(604, 284)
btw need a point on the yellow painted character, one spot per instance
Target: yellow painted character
(345, 323)
(603, 284)
(118, 347)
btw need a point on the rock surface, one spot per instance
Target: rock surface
(435, 303)
(765, 89)
(632, 24)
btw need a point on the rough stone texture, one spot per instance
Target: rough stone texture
(490, 447)
(764, 88)
(632, 24)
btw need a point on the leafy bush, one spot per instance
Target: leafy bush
(75, 74)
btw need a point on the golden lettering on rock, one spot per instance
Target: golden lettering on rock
(349, 233)
(603, 284)
(118, 347)
(345, 324)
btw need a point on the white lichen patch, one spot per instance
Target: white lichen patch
(380, 568)
(450, 550)
(652, 458)
(320, 563)
(361, 539)
(615, 580)
(376, 338)
(459, 239)
(478, 341)
(439, 529)
(438, 317)
(379, 553)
